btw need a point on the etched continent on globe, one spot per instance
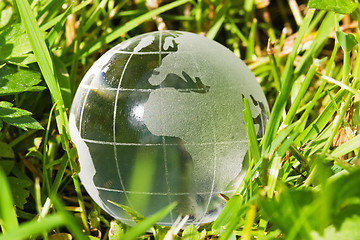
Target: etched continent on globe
(158, 119)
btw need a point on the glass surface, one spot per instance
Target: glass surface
(158, 118)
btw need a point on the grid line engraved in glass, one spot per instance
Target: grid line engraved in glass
(114, 129)
(163, 138)
(162, 193)
(161, 144)
(214, 158)
(153, 90)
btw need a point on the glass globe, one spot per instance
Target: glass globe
(158, 118)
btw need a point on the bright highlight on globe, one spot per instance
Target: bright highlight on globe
(159, 119)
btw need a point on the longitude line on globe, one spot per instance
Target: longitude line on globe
(163, 137)
(114, 130)
(214, 159)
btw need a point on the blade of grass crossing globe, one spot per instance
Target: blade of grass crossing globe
(101, 41)
(286, 84)
(8, 218)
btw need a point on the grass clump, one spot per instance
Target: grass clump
(303, 177)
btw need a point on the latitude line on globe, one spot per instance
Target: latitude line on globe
(160, 193)
(150, 90)
(160, 144)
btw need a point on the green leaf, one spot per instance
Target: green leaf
(117, 230)
(5, 16)
(17, 117)
(347, 41)
(342, 6)
(6, 151)
(7, 166)
(15, 45)
(190, 233)
(19, 192)
(349, 230)
(18, 79)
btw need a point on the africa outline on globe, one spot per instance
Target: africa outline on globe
(158, 118)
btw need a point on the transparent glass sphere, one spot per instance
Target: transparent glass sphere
(158, 118)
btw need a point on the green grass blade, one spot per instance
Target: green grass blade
(304, 86)
(101, 41)
(52, 22)
(44, 60)
(8, 218)
(321, 121)
(218, 22)
(286, 81)
(141, 227)
(71, 222)
(53, 34)
(347, 147)
(250, 128)
(34, 228)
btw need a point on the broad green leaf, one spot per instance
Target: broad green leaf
(349, 230)
(190, 233)
(8, 219)
(60, 236)
(342, 6)
(17, 117)
(14, 45)
(284, 212)
(7, 166)
(347, 41)
(6, 151)
(117, 230)
(18, 79)
(5, 16)
(19, 191)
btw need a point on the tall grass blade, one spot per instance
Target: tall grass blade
(44, 60)
(286, 81)
(34, 228)
(8, 218)
(101, 41)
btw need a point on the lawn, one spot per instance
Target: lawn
(303, 177)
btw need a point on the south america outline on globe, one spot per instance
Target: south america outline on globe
(164, 124)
